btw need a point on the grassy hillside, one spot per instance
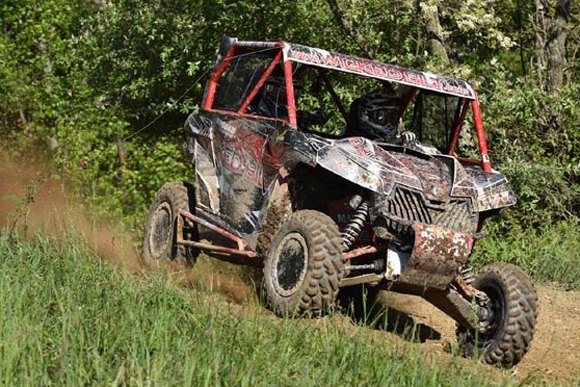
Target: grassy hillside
(69, 318)
(548, 254)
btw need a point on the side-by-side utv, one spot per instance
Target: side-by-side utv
(288, 176)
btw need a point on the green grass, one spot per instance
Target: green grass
(69, 319)
(551, 254)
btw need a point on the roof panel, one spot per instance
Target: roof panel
(378, 70)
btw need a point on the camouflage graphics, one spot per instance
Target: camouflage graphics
(249, 143)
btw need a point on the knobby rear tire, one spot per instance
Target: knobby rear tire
(160, 239)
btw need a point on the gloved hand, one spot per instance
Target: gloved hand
(408, 137)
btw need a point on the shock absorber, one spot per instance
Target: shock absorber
(466, 274)
(354, 227)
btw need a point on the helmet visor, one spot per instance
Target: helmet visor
(383, 115)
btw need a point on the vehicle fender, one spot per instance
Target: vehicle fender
(488, 191)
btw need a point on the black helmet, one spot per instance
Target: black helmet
(378, 115)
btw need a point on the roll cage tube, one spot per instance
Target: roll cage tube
(481, 141)
(485, 161)
(260, 83)
(406, 100)
(287, 67)
(458, 126)
(216, 74)
(290, 94)
(335, 97)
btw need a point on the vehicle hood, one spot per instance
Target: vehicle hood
(382, 167)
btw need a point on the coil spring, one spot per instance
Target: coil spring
(466, 274)
(353, 229)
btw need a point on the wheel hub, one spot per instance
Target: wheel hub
(490, 312)
(159, 238)
(290, 264)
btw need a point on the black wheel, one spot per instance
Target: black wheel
(160, 240)
(507, 321)
(304, 265)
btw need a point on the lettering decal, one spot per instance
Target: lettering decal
(380, 70)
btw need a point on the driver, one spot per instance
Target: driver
(377, 116)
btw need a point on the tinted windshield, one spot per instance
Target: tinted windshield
(240, 77)
(434, 119)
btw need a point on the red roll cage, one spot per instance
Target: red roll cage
(323, 60)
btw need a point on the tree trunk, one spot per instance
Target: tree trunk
(540, 37)
(418, 29)
(551, 33)
(435, 38)
(348, 29)
(556, 44)
(121, 150)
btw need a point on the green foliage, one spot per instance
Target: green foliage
(535, 140)
(141, 55)
(142, 61)
(550, 253)
(69, 319)
(85, 75)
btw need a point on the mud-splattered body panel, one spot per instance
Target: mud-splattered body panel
(437, 254)
(228, 154)
(233, 166)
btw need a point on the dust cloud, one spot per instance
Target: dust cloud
(33, 200)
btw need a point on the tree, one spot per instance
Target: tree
(435, 36)
(551, 30)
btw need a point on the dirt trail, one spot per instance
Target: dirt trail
(555, 352)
